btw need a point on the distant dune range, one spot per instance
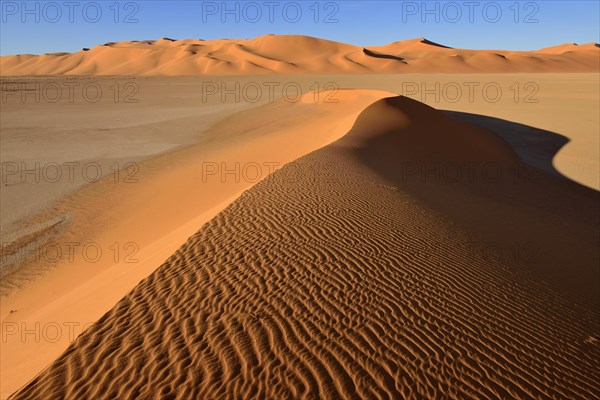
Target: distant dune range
(294, 54)
(340, 276)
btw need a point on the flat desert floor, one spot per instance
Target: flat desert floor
(348, 243)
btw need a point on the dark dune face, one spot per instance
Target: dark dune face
(379, 55)
(473, 176)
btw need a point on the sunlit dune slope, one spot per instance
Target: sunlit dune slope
(290, 54)
(336, 277)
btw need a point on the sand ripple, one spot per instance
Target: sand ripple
(324, 281)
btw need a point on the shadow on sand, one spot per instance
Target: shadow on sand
(536, 147)
(535, 208)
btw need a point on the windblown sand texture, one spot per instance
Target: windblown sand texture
(294, 54)
(339, 277)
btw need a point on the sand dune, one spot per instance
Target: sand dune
(340, 276)
(290, 54)
(172, 186)
(569, 47)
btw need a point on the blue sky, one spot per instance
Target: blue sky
(64, 25)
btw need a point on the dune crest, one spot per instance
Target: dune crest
(288, 54)
(332, 278)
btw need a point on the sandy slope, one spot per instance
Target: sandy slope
(340, 276)
(78, 292)
(294, 54)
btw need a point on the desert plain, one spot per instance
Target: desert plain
(320, 221)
